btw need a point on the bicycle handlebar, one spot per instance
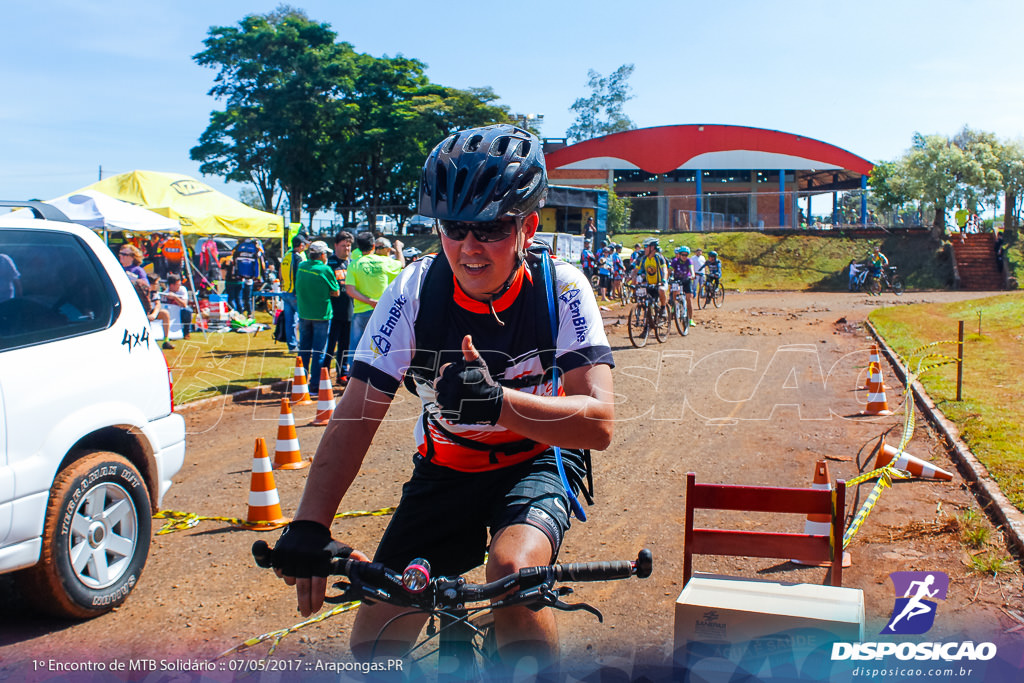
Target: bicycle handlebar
(376, 581)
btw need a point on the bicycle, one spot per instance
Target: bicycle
(711, 291)
(680, 312)
(646, 316)
(463, 631)
(887, 278)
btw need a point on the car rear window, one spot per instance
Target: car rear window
(51, 287)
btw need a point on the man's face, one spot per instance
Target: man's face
(650, 249)
(483, 267)
(342, 249)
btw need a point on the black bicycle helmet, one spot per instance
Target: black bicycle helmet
(482, 174)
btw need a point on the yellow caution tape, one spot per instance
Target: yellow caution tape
(187, 520)
(277, 636)
(365, 513)
(887, 474)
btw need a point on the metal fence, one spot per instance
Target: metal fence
(716, 212)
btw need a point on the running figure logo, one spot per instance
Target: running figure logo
(914, 613)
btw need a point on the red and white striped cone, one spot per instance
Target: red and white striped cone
(287, 455)
(919, 468)
(820, 524)
(874, 367)
(877, 403)
(300, 389)
(325, 400)
(264, 503)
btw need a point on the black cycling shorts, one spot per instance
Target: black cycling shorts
(444, 514)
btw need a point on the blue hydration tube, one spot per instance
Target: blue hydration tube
(574, 503)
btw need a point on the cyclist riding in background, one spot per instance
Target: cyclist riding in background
(654, 270)
(681, 270)
(483, 462)
(877, 260)
(712, 269)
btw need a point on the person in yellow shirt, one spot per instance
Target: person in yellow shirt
(654, 269)
(289, 268)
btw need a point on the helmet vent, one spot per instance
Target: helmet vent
(442, 182)
(499, 146)
(450, 144)
(460, 183)
(473, 144)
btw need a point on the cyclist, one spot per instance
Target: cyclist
(876, 261)
(654, 270)
(712, 271)
(483, 461)
(635, 258)
(681, 270)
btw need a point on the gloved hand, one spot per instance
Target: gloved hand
(466, 393)
(306, 549)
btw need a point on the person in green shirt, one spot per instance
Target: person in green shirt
(315, 284)
(367, 279)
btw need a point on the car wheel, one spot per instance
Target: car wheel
(95, 539)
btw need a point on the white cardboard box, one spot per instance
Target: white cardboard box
(723, 623)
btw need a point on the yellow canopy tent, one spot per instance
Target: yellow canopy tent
(199, 208)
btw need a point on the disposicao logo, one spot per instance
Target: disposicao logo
(914, 612)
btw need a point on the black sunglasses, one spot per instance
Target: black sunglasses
(491, 231)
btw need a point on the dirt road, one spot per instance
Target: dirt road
(759, 391)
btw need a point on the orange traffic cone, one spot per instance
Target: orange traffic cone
(820, 524)
(264, 503)
(877, 403)
(286, 454)
(919, 468)
(325, 399)
(300, 390)
(874, 367)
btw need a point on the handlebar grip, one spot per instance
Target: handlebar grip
(594, 571)
(261, 552)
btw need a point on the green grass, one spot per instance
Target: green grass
(990, 416)
(211, 364)
(752, 260)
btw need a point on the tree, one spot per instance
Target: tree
(602, 113)
(284, 80)
(620, 211)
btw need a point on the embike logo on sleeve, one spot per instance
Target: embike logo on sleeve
(380, 343)
(913, 613)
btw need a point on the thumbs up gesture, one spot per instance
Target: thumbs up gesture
(466, 393)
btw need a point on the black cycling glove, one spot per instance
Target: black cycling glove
(466, 393)
(306, 549)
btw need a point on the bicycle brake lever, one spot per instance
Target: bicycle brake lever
(348, 593)
(566, 607)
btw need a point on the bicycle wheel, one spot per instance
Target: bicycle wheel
(680, 315)
(719, 295)
(699, 301)
(662, 324)
(897, 285)
(876, 286)
(637, 325)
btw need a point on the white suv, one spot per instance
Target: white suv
(89, 439)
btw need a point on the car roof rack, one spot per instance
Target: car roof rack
(38, 209)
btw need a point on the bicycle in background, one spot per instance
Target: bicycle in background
(646, 316)
(711, 292)
(887, 278)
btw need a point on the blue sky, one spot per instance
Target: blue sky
(111, 83)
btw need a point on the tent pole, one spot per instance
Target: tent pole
(188, 272)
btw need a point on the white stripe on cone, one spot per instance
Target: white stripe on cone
(261, 499)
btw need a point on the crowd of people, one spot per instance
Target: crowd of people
(646, 266)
